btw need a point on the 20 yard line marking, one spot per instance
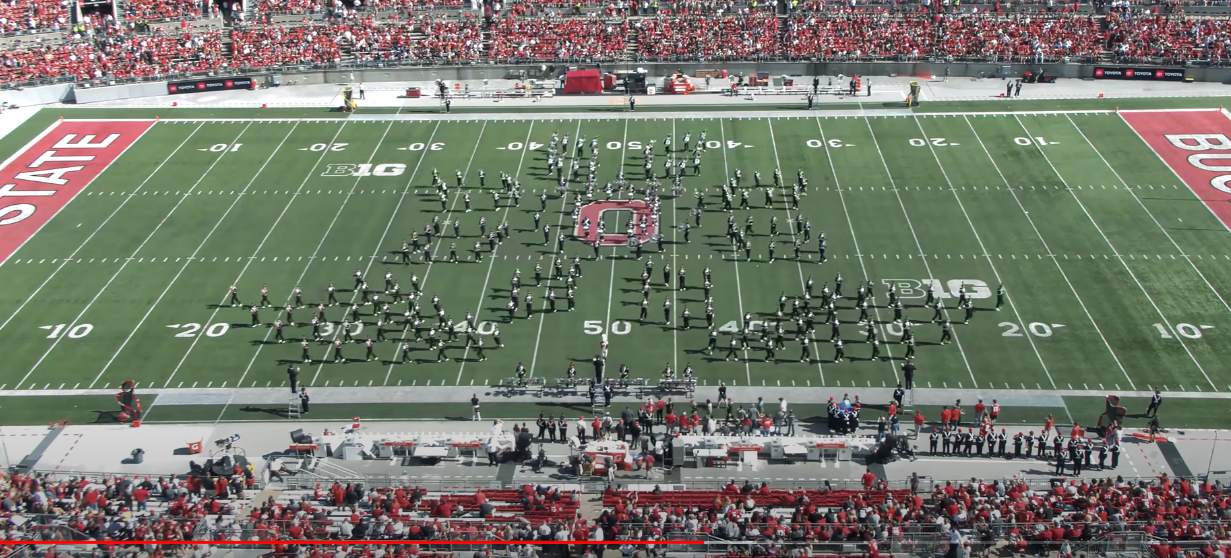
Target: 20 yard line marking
(739, 292)
(123, 202)
(278, 220)
(135, 252)
(1121, 260)
(193, 256)
(926, 265)
(927, 141)
(381, 241)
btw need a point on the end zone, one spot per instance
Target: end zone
(45, 175)
(1196, 145)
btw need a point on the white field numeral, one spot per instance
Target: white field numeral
(77, 332)
(1187, 330)
(190, 330)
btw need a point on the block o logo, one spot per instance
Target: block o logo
(595, 211)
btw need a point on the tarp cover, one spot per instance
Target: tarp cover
(582, 81)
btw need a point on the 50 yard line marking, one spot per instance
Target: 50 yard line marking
(134, 253)
(1047, 248)
(1122, 261)
(250, 260)
(379, 243)
(928, 141)
(926, 265)
(191, 258)
(123, 202)
(739, 291)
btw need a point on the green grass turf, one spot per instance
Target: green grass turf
(881, 200)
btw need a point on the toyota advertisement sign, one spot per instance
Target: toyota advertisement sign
(1139, 74)
(211, 84)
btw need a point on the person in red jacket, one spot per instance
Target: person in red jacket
(868, 480)
(919, 420)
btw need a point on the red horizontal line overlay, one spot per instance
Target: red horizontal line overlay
(333, 543)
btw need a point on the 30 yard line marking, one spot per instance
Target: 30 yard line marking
(850, 225)
(928, 141)
(441, 239)
(1121, 260)
(192, 257)
(790, 223)
(1147, 210)
(889, 174)
(739, 292)
(87, 240)
(381, 241)
(278, 220)
(129, 260)
(538, 337)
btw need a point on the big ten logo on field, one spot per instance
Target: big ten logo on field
(918, 288)
(1207, 142)
(364, 170)
(594, 212)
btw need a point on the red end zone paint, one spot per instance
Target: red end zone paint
(38, 181)
(1197, 147)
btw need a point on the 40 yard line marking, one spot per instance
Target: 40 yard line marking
(73, 256)
(926, 265)
(278, 220)
(129, 259)
(928, 141)
(1121, 260)
(1047, 248)
(739, 291)
(193, 256)
(380, 242)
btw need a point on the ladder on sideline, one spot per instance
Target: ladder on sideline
(293, 409)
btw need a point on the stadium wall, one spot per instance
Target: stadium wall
(66, 93)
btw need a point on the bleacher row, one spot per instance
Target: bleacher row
(427, 39)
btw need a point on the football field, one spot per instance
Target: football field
(1115, 269)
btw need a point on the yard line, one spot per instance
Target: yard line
(1121, 260)
(803, 284)
(440, 240)
(1147, 210)
(675, 298)
(1048, 250)
(739, 291)
(193, 256)
(123, 202)
(926, 265)
(534, 357)
(850, 225)
(129, 259)
(294, 196)
(927, 140)
(379, 243)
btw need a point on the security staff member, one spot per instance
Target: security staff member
(933, 439)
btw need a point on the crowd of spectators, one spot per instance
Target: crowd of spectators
(577, 39)
(159, 10)
(1174, 39)
(115, 56)
(261, 46)
(707, 37)
(30, 15)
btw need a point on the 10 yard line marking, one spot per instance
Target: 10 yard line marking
(773, 142)
(926, 265)
(278, 220)
(193, 256)
(928, 142)
(1122, 262)
(850, 225)
(739, 292)
(129, 260)
(123, 202)
(448, 217)
(379, 242)
(1048, 250)
(1152, 218)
